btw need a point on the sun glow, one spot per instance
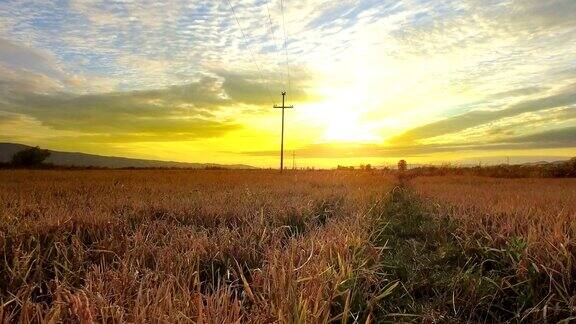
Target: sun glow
(345, 127)
(343, 116)
(370, 81)
(339, 121)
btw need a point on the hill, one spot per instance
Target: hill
(91, 160)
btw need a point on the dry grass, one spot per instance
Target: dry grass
(211, 246)
(540, 211)
(257, 246)
(529, 224)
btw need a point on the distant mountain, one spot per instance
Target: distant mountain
(539, 163)
(7, 150)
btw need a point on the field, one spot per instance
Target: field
(523, 229)
(304, 246)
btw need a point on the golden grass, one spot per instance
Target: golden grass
(541, 211)
(533, 220)
(209, 246)
(257, 246)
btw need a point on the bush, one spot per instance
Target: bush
(565, 169)
(402, 166)
(30, 157)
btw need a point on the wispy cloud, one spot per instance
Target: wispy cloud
(186, 111)
(556, 138)
(564, 97)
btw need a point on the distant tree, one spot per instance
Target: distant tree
(563, 170)
(402, 165)
(30, 157)
(215, 167)
(366, 167)
(571, 167)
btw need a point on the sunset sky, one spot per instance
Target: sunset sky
(372, 81)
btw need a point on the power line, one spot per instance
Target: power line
(271, 24)
(250, 51)
(285, 46)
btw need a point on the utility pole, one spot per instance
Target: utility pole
(293, 160)
(282, 137)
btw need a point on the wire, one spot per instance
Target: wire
(285, 46)
(251, 53)
(274, 40)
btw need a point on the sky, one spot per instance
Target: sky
(371, 81)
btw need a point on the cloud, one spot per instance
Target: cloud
(19, 56)
(25, 68)
(566, 96)
(518, 92)
(180, 112)
(9, 118)
(183, 110)
(563, 137)
(533, 15)
(440, 27)
(165, 131)
(555, 138)
(118, 71)
(519, 124)
(15, 80)
(31, 70)
(32, 85)
(255, 89)
(34, 88)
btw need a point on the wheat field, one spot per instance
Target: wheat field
(528, 225)
(300, 247)
(199, 246)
